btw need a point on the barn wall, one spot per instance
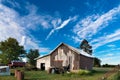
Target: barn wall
(45, 60)
(76, 62)
(64, 54)
(86, 62)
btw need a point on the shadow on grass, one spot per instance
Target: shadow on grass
(36, 78)
(98, 71)
(12, 74)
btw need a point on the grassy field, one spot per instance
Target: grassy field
(43, 75)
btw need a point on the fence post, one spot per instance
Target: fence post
(16, 73)
(20, 75)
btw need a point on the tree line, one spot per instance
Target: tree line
(10, 50)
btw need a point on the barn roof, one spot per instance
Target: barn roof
(79, 51)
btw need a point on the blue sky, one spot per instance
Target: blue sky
(43, 24)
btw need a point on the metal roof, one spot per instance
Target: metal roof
(79, 51)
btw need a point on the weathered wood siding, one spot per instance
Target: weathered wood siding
(76, 61)
(86, 62)
(45, 60)
(66, 55)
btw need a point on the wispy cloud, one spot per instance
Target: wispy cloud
(107, 51)
(31, 19)
(111, 45)
(23, 40)
(62, 25)
(111, 58)
(10, 26)
(11, 2)
(106, 39)
(91, 25)
(109, 55)
(76, 39)
(35, 21)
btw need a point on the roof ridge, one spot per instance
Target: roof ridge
(71, 47)
(80, 51)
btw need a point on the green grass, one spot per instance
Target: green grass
(43, 75)
(115, 76)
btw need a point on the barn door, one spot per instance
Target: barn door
(70, 62)
(42, 66)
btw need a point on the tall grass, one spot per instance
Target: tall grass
(117, 76)
(43, 75)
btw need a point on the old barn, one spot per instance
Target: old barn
(65, 55)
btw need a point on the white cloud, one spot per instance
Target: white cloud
(62, 25)
(23, 40)
(111, 45)
(57, 22)
(13, 3)
(109, 55)
(91, 25)
(110, 59)
(76, 39)
(106, 39)
(10, 26)
(33, 20)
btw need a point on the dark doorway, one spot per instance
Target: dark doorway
(70, 62)
(42, 66)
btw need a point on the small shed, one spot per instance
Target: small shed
(4, 70)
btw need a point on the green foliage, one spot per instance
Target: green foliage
(32, 54)
(108, 65)
(10, 50)
(84, 72)
(97, 62)
(80, 73)
(86, 46)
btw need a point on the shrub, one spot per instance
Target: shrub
(84, 72)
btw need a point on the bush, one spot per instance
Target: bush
(84, 72)
(108, 65)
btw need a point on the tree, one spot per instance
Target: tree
(86, 46)
(32, 54)
(10, 50)
(97, 62)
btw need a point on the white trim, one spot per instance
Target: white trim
(7, 70)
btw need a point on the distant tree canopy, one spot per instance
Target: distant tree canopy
(86, 46)
(108, 65)
(32, 54)
(10, 50)
(97, 62)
